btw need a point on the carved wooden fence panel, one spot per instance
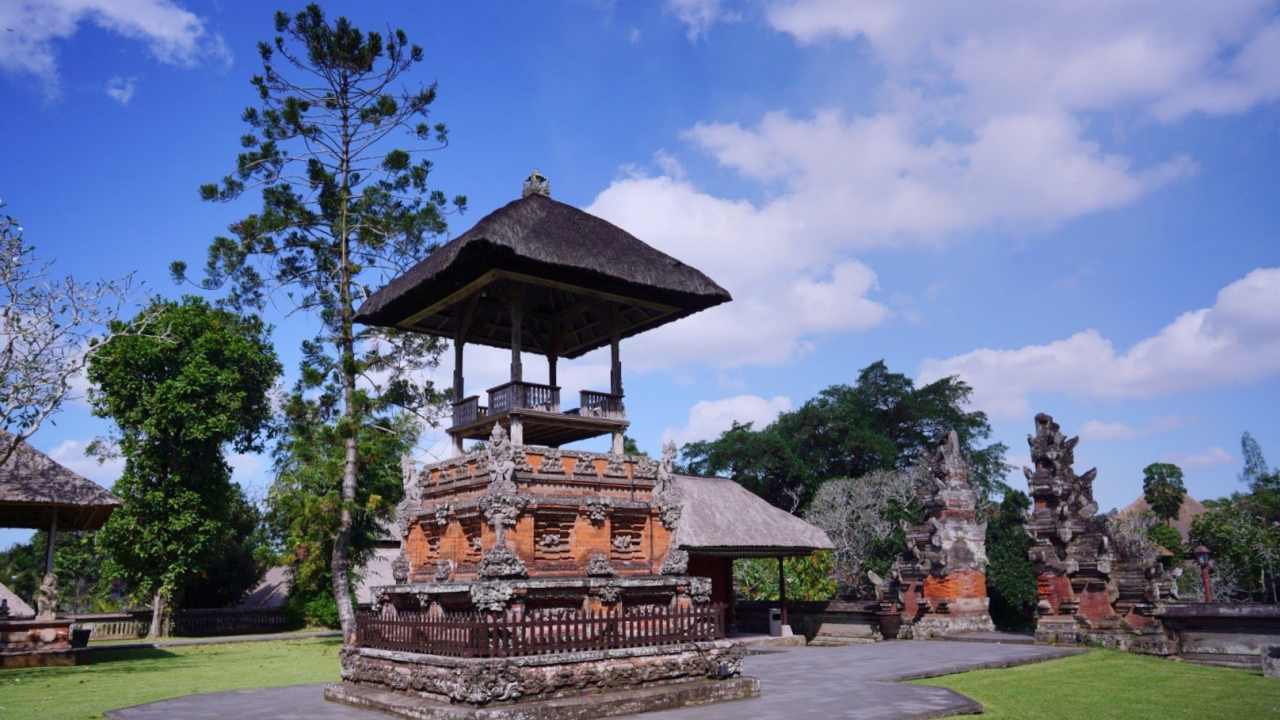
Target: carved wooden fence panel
(538, 633)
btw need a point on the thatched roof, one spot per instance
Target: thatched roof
(566, 263)
(33, 486)
(1190, 510)
(18, 609)
(719, 516)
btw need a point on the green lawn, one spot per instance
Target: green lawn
(1108, 685)
(121, 678)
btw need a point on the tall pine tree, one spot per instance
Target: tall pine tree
(343, 209)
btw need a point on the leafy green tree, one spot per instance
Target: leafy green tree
(1246, 550)
(304, 501)
(1011, 578)
(882, 422)
(809, 577)
(1163, 489)
(177, 402)
(1167, 537)
(342, 210)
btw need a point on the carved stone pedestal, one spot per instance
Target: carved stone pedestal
(35, 643)
(572, 686)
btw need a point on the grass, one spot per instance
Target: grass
(1109, 685)
(119, 678)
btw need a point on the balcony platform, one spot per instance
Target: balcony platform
(537, 408)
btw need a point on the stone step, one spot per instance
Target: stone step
(988, 636)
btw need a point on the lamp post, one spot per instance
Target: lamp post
(1206, 563)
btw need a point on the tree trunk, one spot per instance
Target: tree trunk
(159, 608)
(341, 561)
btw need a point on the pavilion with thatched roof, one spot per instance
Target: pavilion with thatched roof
(537, 275)
(39, 493)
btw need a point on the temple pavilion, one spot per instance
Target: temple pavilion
(39, 493)
(543, 277)
(530, 573)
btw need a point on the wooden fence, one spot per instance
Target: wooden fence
(537, 633)
(134, 624)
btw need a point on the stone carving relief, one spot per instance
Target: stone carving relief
(597, 509)
(598, 565)
(700, 589)
(442, 513)
(444, 570)
(502, 466)
(400, 568)
(491, 596)
(410, 506)
(666, 495)
(676, 562)
(501, 562)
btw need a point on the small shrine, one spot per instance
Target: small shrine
(38, 493)
(1092, 589)
(940, 583)
(531, 574)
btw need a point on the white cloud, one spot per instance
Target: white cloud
(1236, 340)
(173, 35)
(121, 89)
(709, 418)
(1204, 458)
(698, 16)
(71, 454)
(1168, 57)
(1103, 430)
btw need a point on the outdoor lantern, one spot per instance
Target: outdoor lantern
(1202, 559)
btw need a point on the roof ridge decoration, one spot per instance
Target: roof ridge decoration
(536, 184)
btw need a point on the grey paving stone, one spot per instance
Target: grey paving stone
(856, 681)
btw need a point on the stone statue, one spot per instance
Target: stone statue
(409, 507)
(47, 597)
(666, 495)
(536, 184)
(502, 465)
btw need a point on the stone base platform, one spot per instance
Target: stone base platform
(582, 707)
(35, 643)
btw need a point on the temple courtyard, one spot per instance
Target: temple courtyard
(885, 680)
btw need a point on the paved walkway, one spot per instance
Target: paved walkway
(857, 681)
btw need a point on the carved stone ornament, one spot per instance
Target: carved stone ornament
(597, 509)
(491, 596)
(410, 506)
(502, 512)
(700, 590)
(609, 593)
(615, 467)
(536, 184)
(669, 510)
(502, 466)
(444, 570)
(598, 565)
(550, 540)
(621, 543)
(400, 568)
(676, 562)
(47, 597)
(551, 462)
(666, 496)
(502, 562)
(442, 513)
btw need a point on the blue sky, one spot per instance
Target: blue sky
(1073, 209)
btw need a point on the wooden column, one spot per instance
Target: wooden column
(517, 319)
(553, 354)
(49, 546)
(459, 342)
(615, 337)
(782, 591)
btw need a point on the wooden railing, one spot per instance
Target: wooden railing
(126, 625)
(538, 633)
(468, 410)
(599, 404)
(518, 395)
(134, 624)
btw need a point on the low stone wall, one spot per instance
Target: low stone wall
(482, 682)
(832, 622)
(1222, 634)
(35, 643)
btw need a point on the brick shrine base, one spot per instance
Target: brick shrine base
(582, 707)
(35, 643)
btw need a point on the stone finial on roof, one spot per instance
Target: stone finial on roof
(536, 184)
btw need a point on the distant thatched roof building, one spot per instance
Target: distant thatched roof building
(18, 609)
(719, 516)
(33, 487)
(1190, 510)
(551, 247)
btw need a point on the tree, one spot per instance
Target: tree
(341, 210)
(49, 328)
(1163, 489)
(177, 402)
(882, 422)
(863, 517)
(304, 501)
(1011, 578)
(1255, 465)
